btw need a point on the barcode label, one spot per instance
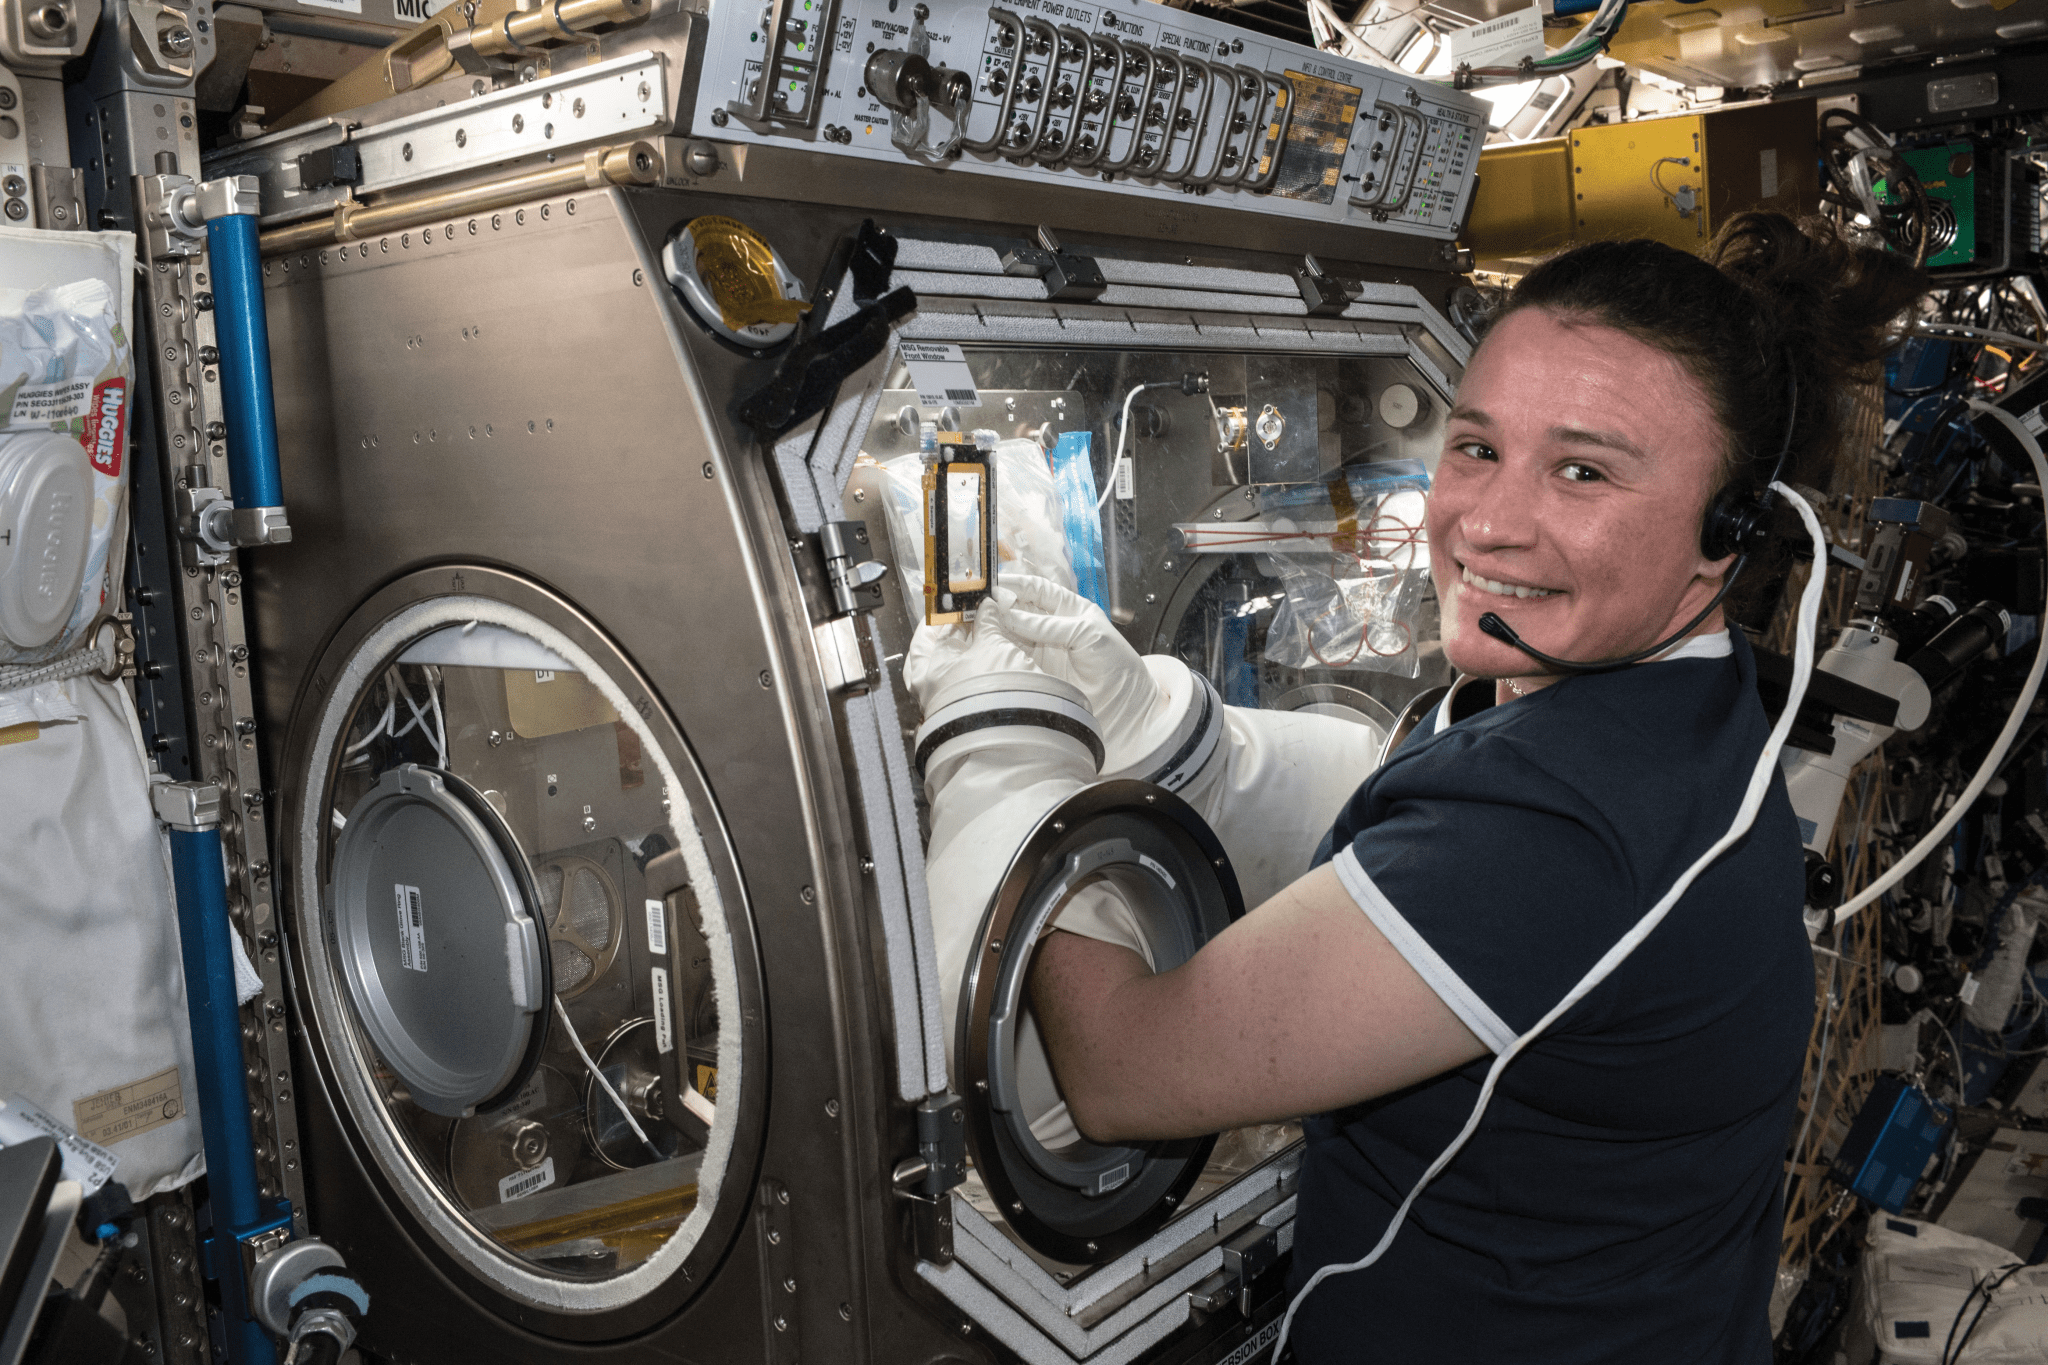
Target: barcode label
(962, 396)
(657, 929)
(664, 1040)
(522, 1183)
(2037, 420)
(412, 933)
(1126, 486)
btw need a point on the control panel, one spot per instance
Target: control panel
(1136, 97)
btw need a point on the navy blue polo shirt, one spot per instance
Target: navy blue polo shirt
(1621, 1199)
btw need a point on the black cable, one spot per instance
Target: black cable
(1989, 1287)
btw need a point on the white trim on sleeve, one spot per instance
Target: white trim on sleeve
(1476, 1014)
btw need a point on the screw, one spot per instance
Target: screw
(831, 1109)
(577, 108)
(708, 473)
(767, 679)
(846, 1312)
(461, 140)
(6, 98)
(175, 42)
(406, 149)
(807, 895)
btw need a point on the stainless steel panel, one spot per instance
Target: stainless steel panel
(432, 414)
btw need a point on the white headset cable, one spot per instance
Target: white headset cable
(1752, 800)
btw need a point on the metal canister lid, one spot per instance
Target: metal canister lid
(442, 952)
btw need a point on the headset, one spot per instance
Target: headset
(1738, 521)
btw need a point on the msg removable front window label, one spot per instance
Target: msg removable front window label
(939, 373)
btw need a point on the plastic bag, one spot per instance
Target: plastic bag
(1352, 558)
(65, 366)
(1074, 471)
(1029, 520)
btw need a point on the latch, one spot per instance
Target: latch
(851, 567)
(940, 1164)
(1067, 277)
(1245, 1257)
(341, 164)
(1325, 295)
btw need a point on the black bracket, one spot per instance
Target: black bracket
(1068, 278)
(1325, 295)
(811, 372)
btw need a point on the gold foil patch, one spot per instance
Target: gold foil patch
(739, 270)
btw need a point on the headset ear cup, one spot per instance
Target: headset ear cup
(1731, 518)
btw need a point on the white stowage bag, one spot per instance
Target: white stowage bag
(93, 1029)
(1915, 1279)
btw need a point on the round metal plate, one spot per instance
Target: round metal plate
(1085, 1202)
(444, 955)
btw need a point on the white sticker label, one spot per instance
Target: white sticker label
(657, 928)
(347, 6)
(1126, 485)
(541, 675)
(41, 404)
(939, 373)
(90, 1164)
(1967, 993)
(417, 10)
(1767, 171)
(2037, 420)
(1500, 42)
(522, 1183)
(663, 1039)
(1157, 870)
(412, 933)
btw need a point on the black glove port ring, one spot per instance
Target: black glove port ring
(1085, 1203)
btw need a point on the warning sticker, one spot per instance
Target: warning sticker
(519, 1184)
(939, 373)
(1317, 137)
(664, 1040)
(412, 933)
(129, 1110)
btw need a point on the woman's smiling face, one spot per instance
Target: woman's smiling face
(1577, 463)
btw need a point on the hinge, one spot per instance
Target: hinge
(1245, 1257)
(1068, 278)
(852, 570)
(924, 1179)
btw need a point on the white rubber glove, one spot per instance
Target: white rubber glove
(1139, 701)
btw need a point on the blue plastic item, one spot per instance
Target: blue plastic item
(1073, 474)
(238, 1206)
(1888, 1146)
(244, 335)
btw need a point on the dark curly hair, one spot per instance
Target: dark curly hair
(1769, 300)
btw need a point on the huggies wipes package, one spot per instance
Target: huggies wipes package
(66, 385)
